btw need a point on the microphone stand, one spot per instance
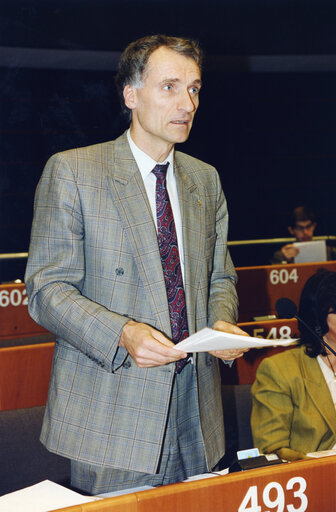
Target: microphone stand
(321, 340)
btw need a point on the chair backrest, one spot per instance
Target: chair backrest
(237, 405)
(24, 460)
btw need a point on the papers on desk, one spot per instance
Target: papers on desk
(42, 497)
(112, 494)
(322, 453)
(210, 339)
(311, 251)
(203, 476)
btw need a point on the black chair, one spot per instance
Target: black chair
(24, 460)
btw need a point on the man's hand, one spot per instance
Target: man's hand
(289, 252)
(147, 346)
(231, 354)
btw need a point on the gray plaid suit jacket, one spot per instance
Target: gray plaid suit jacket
(93, 264)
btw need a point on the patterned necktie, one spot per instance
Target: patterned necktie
(170, 261)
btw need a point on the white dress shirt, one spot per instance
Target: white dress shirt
(146, 164)
(330, 380)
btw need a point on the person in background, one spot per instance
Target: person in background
(302, 226)
(294, 394)
(128, 256)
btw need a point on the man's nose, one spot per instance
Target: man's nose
(187, 102)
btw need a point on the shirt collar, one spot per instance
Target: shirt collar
(145, 163)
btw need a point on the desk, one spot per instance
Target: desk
(259, 288)
(270, 329)
(296, 487)
(243, 371)
(24, 375)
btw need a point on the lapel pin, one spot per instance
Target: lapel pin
(199, 202)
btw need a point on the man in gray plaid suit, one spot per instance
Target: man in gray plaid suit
(116, 407)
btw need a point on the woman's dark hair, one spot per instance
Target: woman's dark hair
(318, 298)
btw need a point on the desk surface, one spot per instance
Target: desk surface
(295, 487)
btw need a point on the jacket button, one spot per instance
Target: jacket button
(127, 364)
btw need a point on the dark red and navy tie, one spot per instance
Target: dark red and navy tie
(170, 259)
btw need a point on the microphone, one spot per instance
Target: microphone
(286, 308)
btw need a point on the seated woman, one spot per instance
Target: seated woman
(294, 394)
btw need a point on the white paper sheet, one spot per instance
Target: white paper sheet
(42, 497)
(202, 476)
(311, 251)
(112, 494)
(210, 339)
(323, 453)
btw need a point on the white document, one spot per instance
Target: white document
(112, 494)
(210, 339)
(202, 476)
(323, 453)
(42, 497)
(311, 251)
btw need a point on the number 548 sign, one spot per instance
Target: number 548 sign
(273, 497)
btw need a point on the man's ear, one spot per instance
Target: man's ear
(291, 231)
(130, 96)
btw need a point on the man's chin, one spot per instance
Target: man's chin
(181, 138)
(180, 133)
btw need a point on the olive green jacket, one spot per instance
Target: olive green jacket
(293, 412)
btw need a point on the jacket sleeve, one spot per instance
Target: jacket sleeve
(56, 270)
(272, 411)
(223, 300)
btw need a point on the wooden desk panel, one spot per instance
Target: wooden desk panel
(260, 287)
(24, 375)
(14, 317)
(126, 503)
(258, 290)
(271, 329)
(297, 487)
(244, 369)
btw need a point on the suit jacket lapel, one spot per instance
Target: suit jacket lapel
(193, 229)
(130, 198)
(318, 390)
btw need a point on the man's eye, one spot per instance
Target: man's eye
(194, 90)
(168, 87)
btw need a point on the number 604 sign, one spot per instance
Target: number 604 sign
(273, 497)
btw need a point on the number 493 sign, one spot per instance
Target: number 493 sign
(275, 498)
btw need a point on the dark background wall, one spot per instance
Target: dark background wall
(267, 114)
